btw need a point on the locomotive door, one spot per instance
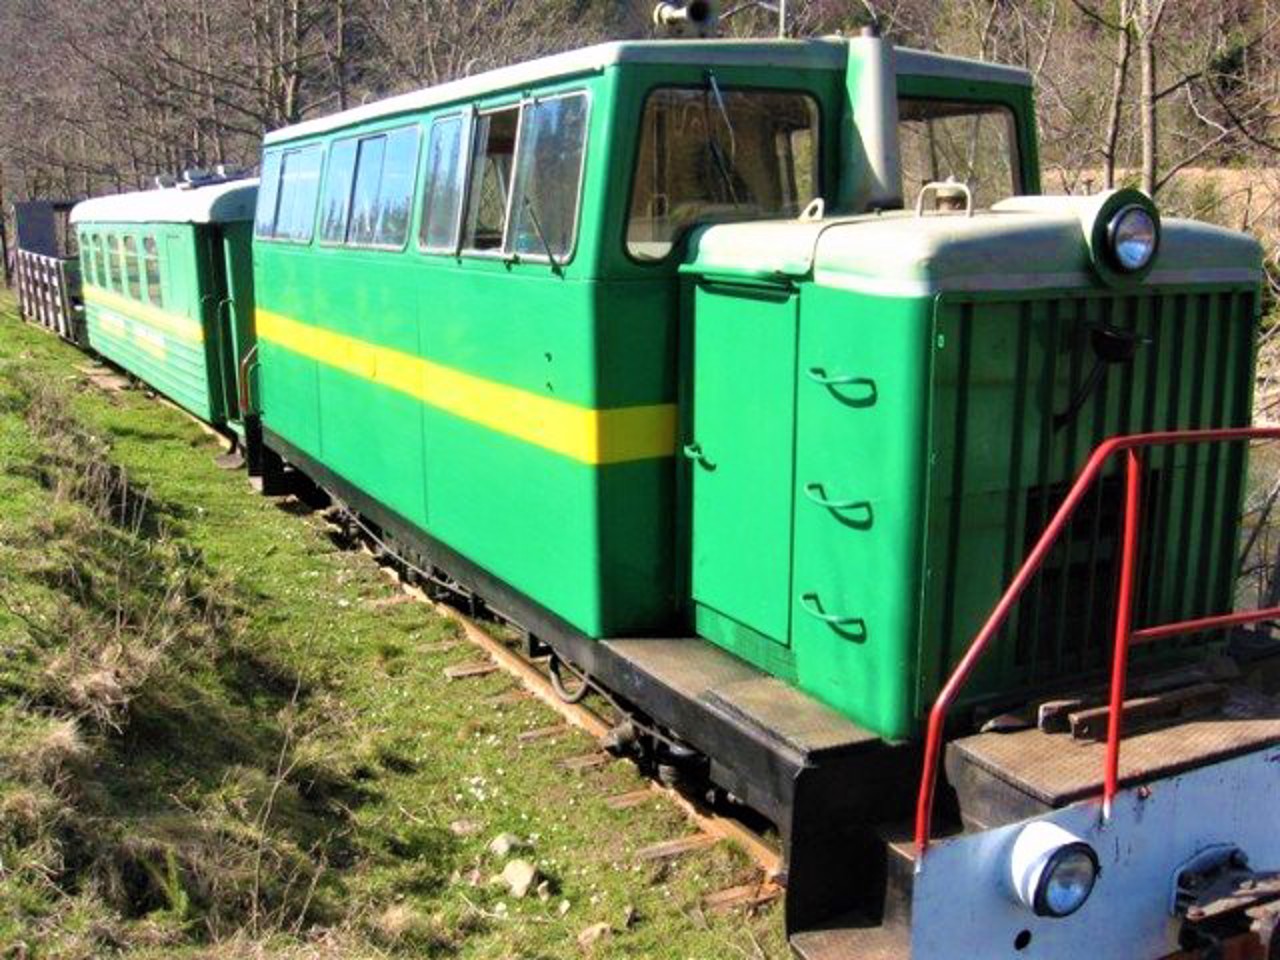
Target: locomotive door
(741, 458)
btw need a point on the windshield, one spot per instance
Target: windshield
(975, 143)
(714, 154)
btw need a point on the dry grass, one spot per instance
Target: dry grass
(119, 615)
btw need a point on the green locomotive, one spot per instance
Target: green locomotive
(743, 375)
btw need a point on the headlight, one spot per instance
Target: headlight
(1053, 871)
(1132, 237)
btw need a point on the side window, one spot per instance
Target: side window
(113, 263)
(99, 261)
(151, 271)
(287, 195)
(336, 204)
(442, 191)
(86, 261)
(395, 195)
(364, 200)
(383, 196)
(131, 268)
(544, 205)
(299, 187)
(268, 195)
(489, 180)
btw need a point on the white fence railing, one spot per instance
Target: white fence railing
(49, 293)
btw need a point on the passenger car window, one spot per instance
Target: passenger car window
(299, 186)
(268, 194)
(975, 143)
(383, 195)
(336, 205)
(442, 191)
(490, 179)
(710, 155)
(395, 194)
(131, 267)
(113, 262)
(544, 206)
(86, 262)
(287, 203)
(364, 199)
(99, 260)
(151, 271)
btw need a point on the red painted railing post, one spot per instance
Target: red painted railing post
(1125, 634)
(1124, 628)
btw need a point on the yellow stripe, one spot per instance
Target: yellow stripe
(582, 433)
(172, 323)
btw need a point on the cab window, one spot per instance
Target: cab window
(710, 155)
(974, 143)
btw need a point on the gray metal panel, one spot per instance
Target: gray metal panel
(922, 63)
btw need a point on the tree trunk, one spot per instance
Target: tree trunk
(1119, 80)
(1150, 14)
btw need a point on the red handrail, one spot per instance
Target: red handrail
(1124, 634)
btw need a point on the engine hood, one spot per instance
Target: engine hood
(1022, 244)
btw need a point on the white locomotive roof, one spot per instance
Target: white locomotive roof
(827, 53)
(226, 202)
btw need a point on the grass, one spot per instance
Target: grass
(221, 735)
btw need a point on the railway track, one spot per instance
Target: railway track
(534, 678)
(709, 827)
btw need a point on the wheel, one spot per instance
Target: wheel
(571, 692)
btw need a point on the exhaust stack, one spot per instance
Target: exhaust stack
(694, 18)
(871, 175)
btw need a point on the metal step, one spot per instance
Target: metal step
(1002, 778)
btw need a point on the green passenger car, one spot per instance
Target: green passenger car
(168, 290)
(821, 440)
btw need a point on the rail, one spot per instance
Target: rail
(1124, 633)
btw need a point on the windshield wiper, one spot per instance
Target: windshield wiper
(724, 165)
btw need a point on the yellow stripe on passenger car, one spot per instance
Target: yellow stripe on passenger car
(171, 323)
(582, 433)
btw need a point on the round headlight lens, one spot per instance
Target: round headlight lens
(1067, 881)
(1132, 236)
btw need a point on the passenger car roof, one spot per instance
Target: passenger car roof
(227, 202)
(827, 53)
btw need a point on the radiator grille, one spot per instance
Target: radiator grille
(1006, 445)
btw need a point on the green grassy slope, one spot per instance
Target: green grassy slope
(221, 735)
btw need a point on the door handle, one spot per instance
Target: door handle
(811, 605)
(852, 513)
(693, 451)
(814, 492)
(864, 397)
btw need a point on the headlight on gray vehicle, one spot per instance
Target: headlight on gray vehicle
(1132, 238)
(1052, 870)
